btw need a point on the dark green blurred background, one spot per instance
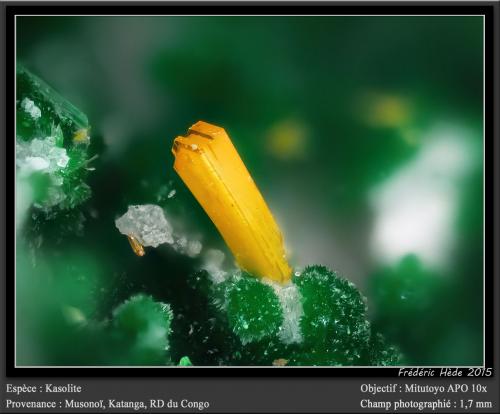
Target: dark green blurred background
(364, 135)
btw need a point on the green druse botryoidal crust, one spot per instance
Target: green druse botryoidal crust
(380, 353)
(51, 139)
(143, 325)
(333, 325)
(141, 314)
(253, 310)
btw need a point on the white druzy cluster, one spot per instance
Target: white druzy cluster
(147, 223)
(29, 107)
(40, 154)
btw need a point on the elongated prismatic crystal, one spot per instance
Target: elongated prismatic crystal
(210, 166)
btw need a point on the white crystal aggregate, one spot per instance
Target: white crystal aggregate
(44, 156)
(37, 163)
(291, 305)
(193, 248)
(40, 154)
(212, 263)
(183, 245)
(149, 226)
(29, 107)
(147, 223)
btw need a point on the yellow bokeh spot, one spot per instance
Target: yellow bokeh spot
(386, 110)
(287, 140)
(81, 136)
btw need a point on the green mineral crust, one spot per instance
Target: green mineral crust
(143, 326)
(379, 353)
(52, 145)
(334, 324)
(253, 310)
(185, 362)
(317, 319)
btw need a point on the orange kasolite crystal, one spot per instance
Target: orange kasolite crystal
(210, 166)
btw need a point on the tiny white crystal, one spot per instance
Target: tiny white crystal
(171, 194)
(212, 263)
(194, 248)
(147, 223)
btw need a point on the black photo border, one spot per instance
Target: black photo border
(12, 9)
